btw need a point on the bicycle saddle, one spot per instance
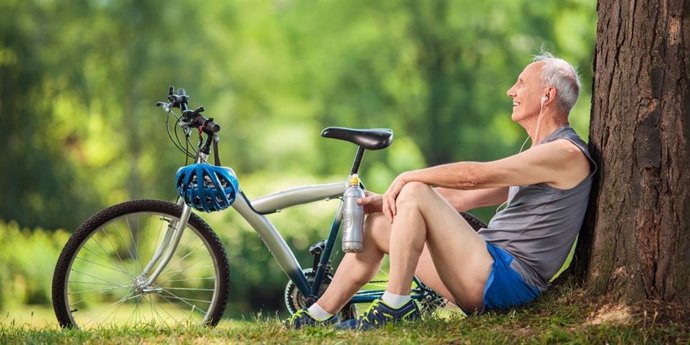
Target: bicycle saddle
(371, 139)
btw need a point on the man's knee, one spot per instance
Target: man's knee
(412, 193)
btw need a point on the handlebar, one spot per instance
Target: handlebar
(191, 119)
(179, 100)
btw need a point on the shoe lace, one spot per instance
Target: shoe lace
(371, 311)
(297, 315)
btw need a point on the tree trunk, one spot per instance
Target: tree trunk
(639, 219)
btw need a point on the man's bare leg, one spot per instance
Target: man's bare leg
(355, 270)
(459, 255)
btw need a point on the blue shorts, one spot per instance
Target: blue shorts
(505, 287)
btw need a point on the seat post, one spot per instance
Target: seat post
(358, 160)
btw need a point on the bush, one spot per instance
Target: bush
(27, 261)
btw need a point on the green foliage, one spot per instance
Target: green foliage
(78, 80)
(27, 260)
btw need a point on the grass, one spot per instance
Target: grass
(563, 315)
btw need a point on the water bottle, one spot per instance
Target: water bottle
(353, 217)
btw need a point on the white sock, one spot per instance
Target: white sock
(393, 300)
(318, 313)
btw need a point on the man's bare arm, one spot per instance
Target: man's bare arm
(465, 200)
(559, 163)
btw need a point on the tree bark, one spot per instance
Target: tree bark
(639, 219)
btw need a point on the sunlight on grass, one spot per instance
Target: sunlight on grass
(44, 316)
(29, 316)
(559, 316)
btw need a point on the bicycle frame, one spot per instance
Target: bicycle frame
(254, 213)
(164, 264)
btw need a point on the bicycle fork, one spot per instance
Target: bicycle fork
(164, 252)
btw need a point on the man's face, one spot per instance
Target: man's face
(527, 92)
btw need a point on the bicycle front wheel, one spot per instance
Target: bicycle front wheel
(98, 279)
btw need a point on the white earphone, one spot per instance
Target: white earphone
(541, 108)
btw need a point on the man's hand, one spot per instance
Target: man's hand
(372, 202)
(389, 209)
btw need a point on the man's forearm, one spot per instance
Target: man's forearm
(465, 200)
(460, 175)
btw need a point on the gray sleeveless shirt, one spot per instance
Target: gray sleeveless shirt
(540, 223)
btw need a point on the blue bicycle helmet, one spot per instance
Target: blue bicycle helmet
(217, 191)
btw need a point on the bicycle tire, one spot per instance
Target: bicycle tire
(166, 298)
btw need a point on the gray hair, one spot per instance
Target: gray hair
(562, 76)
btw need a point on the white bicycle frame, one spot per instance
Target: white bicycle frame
(254, 213)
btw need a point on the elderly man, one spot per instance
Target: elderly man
(545, 190)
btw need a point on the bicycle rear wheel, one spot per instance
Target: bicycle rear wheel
(98, 282)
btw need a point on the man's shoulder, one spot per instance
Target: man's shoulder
(568, 146)
(570, 160)
(554, 152)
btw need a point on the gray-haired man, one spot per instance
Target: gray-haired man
(510, 262)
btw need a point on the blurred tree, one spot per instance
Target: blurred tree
(435, 71)
(78, 80)
(83, 76)
(36, 181)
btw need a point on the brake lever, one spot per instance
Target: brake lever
(186, 128)
(165, 105)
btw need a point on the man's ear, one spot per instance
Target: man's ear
(550, 94)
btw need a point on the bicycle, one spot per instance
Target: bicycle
(157, 262)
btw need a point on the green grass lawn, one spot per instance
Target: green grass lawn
(563, 315)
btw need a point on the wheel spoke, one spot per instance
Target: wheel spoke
(189, 289)
(92, 283)
(104, 266)
(92, 276)
(173, 303)
(107, 256)
(102, 290)
(155, 311)
(177, 272)
(186, 256)
(186, 300)
(134, 243)
(190, 279)
(117, 304)
(119, 234)
(115, 249)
